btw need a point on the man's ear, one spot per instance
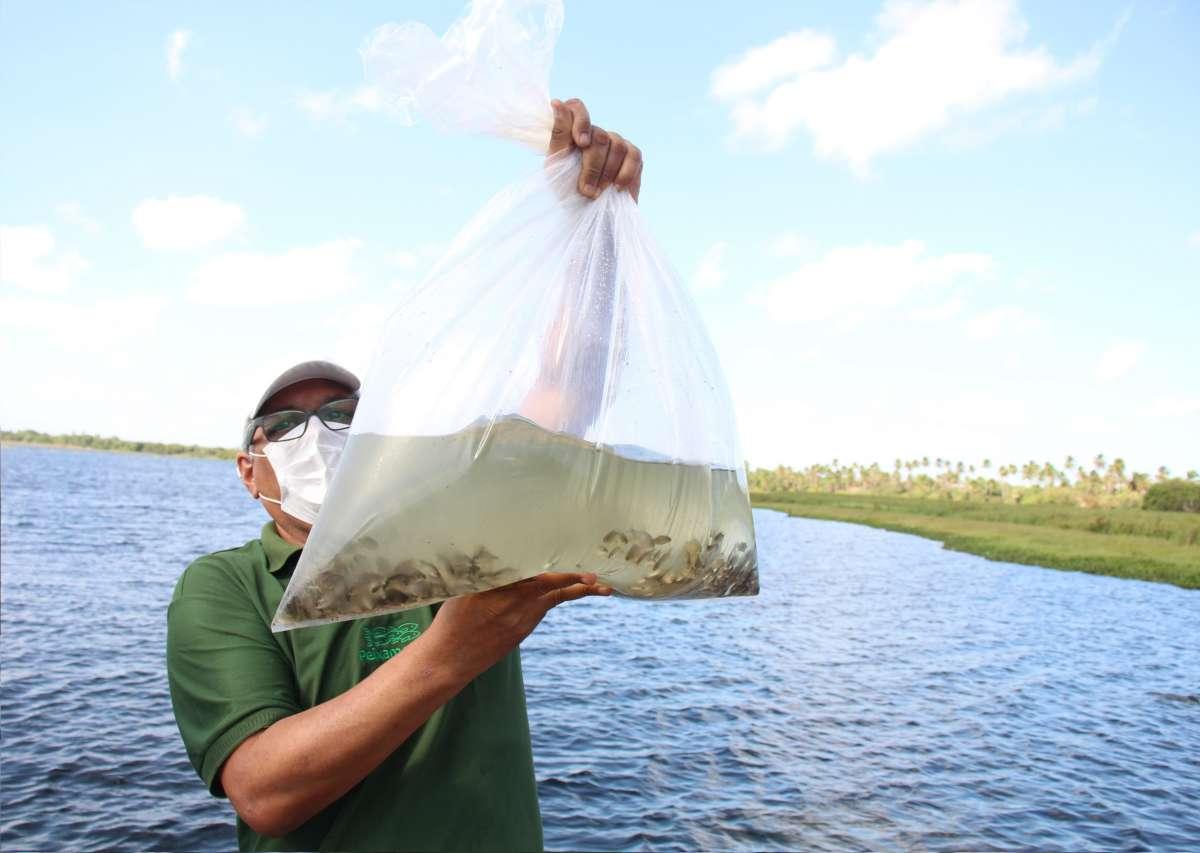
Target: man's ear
(245, 467)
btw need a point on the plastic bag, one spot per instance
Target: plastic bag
(547, 399)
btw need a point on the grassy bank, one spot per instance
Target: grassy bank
(96, 442)
(1128, 543)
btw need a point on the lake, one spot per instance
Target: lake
(880, 694)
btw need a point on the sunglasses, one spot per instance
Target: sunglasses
(290, 424)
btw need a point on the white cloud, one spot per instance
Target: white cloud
(710, 269)
(186, 222)
(403, 259)
(1007, 320)
(416, 257)
(86, 327)
(338, 106)
(1031, 119)
(72, 212)
(792, 245)
(177, 43)
(940, 312)
(789, 56)
(302, 274)
(362, 325)
(1119, 359)
(1174, 407)
(1194, 240)
(28, 260)
(849, 281)
(932, 63)
(248, 123)
(1091, 424)
(975, 410)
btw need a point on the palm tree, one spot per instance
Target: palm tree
(1162, 474)
(1098, 463)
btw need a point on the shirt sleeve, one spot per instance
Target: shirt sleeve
(228, 676)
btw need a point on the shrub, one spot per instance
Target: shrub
(1173, 496)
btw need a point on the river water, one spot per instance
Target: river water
(881, 693)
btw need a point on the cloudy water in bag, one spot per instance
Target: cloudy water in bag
(414, 520)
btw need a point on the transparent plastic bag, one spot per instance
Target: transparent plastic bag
(547, 399)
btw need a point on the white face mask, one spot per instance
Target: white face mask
(303, 467)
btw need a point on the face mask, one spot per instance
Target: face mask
(303, 467)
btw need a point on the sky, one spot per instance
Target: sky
(959, 228)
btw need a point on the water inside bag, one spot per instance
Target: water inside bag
(414, 520)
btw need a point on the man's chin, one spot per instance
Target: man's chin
(299, 524)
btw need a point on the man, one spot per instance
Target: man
(398, 732)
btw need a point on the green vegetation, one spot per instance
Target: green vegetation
(1173, 496)
(95, 442)
(1103, 519)
(1130, 543)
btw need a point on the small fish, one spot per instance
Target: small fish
(485, 561)
(614, 539)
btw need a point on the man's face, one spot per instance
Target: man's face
(256, 472)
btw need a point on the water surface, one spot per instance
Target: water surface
(881, 693)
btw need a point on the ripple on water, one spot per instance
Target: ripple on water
(880, 694)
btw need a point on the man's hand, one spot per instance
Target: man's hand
(608, 158)
(480, 629)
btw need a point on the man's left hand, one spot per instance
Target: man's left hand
(608, 158)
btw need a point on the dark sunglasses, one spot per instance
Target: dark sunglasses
(290, 424)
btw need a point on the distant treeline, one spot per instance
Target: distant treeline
(96, 442)
(1103, 484)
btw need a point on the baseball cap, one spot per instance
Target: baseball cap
(302, 372)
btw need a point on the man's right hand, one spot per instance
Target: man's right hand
(481, 628)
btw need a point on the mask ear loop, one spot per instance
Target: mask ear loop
(260, 496)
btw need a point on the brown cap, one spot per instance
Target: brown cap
(302, 372)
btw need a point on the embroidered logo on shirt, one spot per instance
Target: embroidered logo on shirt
(386, 641)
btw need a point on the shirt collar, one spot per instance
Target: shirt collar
(277, 548)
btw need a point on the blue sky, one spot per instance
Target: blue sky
(959, 229)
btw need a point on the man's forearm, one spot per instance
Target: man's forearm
(284, 775)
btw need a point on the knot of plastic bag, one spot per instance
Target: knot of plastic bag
(488, 73)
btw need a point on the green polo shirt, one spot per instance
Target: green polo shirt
(463, 781)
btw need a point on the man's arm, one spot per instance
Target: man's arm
(280, 777)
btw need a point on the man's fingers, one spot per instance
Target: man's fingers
(594, 157)
(560, 134)
(581, 122)
(630, 175)
(557, 579)
(617, 149)
(575, 591)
